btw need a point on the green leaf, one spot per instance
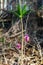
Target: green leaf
(19, 10)
(24, 10)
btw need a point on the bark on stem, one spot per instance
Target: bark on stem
(22, 44)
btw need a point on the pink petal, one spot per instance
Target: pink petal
(18, 46)
(26, 37)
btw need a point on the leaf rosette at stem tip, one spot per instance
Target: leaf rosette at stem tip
(21, 10)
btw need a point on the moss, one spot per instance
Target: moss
(2, 39)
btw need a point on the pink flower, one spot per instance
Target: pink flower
(18, 46)
(26, 37)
